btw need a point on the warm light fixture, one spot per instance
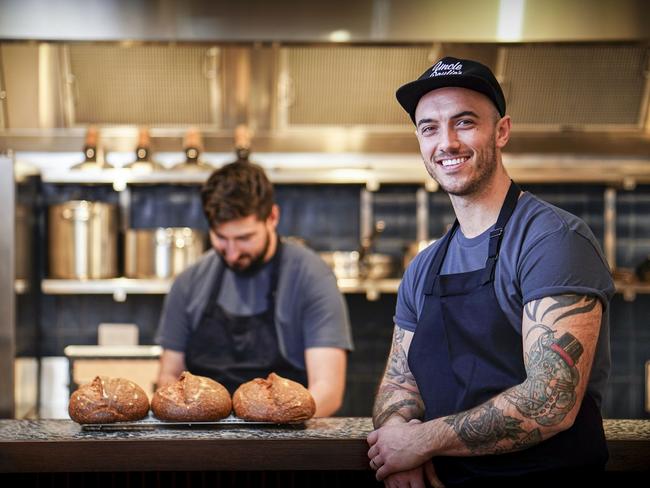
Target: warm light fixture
(339, 36)
(511, 20)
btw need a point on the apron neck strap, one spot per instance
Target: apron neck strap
(496, 234)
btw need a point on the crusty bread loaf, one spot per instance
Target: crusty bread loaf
(192, 399)
(106, 400)
(274, 399)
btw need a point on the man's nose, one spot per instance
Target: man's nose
(231, 251)
(449, 142)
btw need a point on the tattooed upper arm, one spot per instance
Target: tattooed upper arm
(559, 339)
(398, 393)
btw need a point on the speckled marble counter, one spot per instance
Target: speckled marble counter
(321, 444)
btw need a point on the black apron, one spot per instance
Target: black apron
(465, 351)
(233, 349)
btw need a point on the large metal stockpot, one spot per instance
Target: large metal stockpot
(162, 252)
(83, 240)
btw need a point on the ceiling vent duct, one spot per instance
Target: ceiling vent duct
(159, 85)
(596, 87)
(345, 85)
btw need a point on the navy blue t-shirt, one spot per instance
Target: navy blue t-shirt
(545, 251)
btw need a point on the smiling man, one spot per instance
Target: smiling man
(500, 351)
(254, 304)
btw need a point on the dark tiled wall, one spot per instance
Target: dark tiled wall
(328, 217)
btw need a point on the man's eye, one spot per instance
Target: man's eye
(465, 122)
(426, 130)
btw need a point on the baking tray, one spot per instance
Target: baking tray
(152, 423)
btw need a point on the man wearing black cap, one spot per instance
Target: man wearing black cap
(501, 346)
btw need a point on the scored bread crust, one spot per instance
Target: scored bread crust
(106, 400)
(274, 399)
(192, 399)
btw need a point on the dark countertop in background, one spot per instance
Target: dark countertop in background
(337, 443)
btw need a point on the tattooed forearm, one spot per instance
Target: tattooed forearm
(482, 428)
(410, 405)
(398, 370)
(398, 393)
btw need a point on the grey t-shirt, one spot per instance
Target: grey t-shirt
(545, 251)
(309, 311)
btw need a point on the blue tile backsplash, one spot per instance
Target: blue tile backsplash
(328, 217)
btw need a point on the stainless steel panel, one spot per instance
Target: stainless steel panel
(576, 87)
(336, 20)
(3, 96)
(159, 85)
(7, 296)
(347, 85)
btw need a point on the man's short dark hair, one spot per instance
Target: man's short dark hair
(235, 191)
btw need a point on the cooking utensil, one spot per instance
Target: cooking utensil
(162, 252)
(82, 240)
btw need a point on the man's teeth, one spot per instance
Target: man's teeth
(452, 162)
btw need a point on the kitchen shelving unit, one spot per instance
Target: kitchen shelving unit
(371, 170)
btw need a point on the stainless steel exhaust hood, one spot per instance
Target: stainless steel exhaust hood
(576, 79)
(332, 21)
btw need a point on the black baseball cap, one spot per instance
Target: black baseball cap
(449, 71)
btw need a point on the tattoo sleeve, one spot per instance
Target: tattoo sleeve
(525, 414)
(397, 393)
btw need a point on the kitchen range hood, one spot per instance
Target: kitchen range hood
(318, 78)
(585, 97)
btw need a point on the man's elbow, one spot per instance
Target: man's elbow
(328, 401)
(562, 423)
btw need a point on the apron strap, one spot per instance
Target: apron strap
(275, 273)
(434, 270)
(496, 234)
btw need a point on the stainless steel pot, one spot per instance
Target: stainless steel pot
(347, 265)
(162, 252)
(83, 240)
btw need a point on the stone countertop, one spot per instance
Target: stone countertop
(320, 444)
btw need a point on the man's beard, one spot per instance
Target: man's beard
(256, 262)
(485, 166)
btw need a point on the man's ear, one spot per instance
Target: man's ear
(503, 128)
(274, 217)
(213, 238)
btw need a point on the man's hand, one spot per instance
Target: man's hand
(414, 478)
(399, 447)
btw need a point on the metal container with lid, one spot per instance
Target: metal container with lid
(162, 252)
(82, 240)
